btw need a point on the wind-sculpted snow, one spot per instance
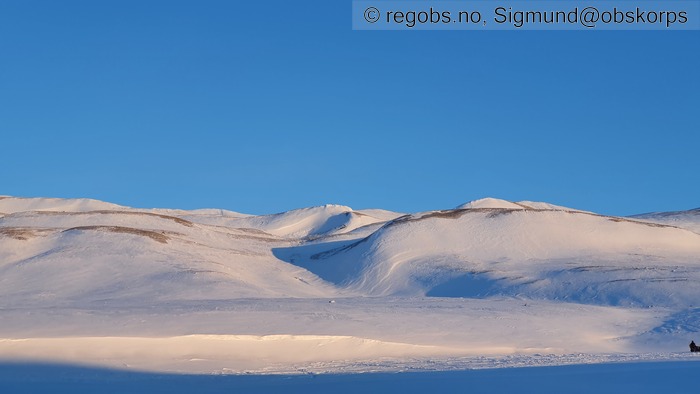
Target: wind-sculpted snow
(492, 278)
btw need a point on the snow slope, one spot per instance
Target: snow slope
(212, 290)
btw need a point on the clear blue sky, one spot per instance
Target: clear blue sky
(262, 107)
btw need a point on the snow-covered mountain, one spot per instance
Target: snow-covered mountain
(640, 275)
(65, 249)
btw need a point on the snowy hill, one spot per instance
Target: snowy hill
(339, 284)
(494, 203)
(59, 257)
(540, 253)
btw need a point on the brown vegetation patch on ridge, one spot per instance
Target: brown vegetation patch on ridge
(443, 214)
(650, 224)
(108, 212)
(154, 235)
(359, 214)
(495, 212)
(22, 233)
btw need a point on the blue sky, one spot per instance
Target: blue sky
(262, 107)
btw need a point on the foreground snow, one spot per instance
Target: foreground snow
(328, 289)
(284, 335)
(619, 377)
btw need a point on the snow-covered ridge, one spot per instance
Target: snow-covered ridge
(490, 203)
(19, 204)
(494, 203)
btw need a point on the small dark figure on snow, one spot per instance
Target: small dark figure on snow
(694, 347)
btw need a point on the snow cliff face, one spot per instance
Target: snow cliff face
(68, 251)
